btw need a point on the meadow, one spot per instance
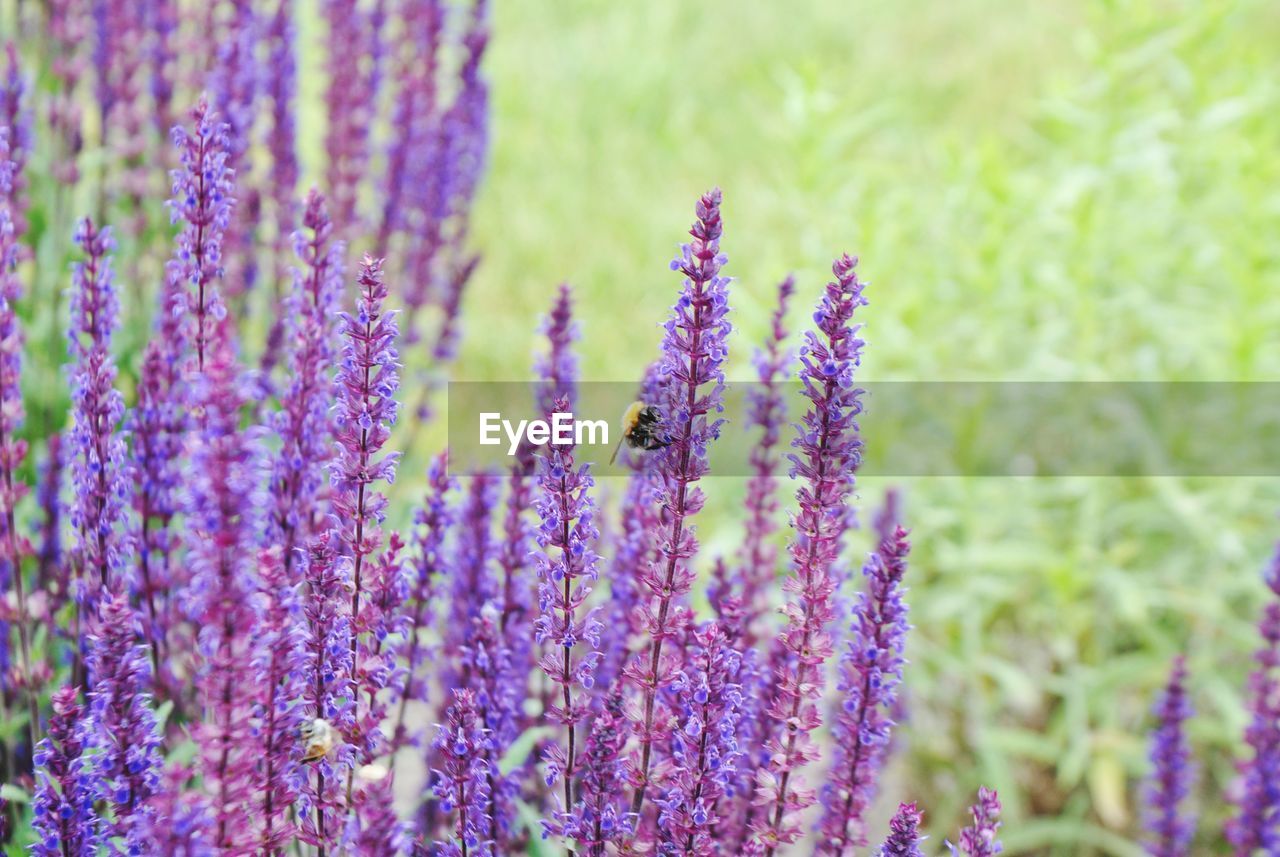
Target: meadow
(1036, 192)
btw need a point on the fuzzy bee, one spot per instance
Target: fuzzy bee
(317, 739)
(640, 429)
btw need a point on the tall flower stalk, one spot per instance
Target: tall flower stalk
(356, 55)
(904, 834)
(462, 781)
(827, 457)
(981, 839)
(694, 350)
(870, 672)
(1171, 775)
(65, 821)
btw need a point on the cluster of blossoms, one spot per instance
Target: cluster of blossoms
(231, 656)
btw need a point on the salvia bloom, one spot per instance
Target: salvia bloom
(381, 622)
(15, 114)
(303, 423)
(870, 672)
(180, 821)
(1172, 775)
(704, 747)
(1257, 826)
(68, 25)
(981, 838)
(558, 368)
(99, 465)
(599, 819)
(828, 454)
(374, 830)
(692, 385)
(65, 821)
(202, 201)
(128, 760)
(904, 834)
(355, 59)
(472, 582)
(462, 780)
(278, 661)
(281, 89)
(222, 602)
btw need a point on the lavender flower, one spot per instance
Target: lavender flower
(1257, 826)
(431, 522)
(472, 583)
(758, 557)
(462, 780)
(704, 747)
(180, 820)
(829, 453)
(904, 836)
(278, 659)
(328, 687)
(128, 763)
(355, 58)
(202, 201)
(374, 830)
(221, 600)
(870, 672)
(366, 410)
(980, 839)
(693, 351)
(381, 619)
(598, 819)
(303, 423)
(1172, 773)
(63, 806)
(566, 566)
(558, 368)
(98, 468)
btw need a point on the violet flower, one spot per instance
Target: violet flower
(1172, 772)
(202, 202)
(1257, 826)
(694, 350)
(303, 423)
(558, 368)
(829, 453)
(904, 834)
(704, 747)
(980, 839)
(566, 569)
(51, 568)
(355, 58)
(374, 830)
(180, 820)
(63, 815)
(15, 114)
(124, 726)
(278, 659)
(120, 56)
(327, 688)
(870, 672)
(472, 584)
(224, 493)
(364, 413)
(381, 622)
(162, 20)
(431, 524)
(281, 87)
(758, 557)
(599, 820)
(99, 464)
(462, 780)
(68, 32)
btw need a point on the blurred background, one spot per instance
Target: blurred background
(1039, 191)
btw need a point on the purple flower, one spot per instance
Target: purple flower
(566, 563)
(692, 378)
(99, 466)
(355, 60)
(225, 479)
(51, 570)
(757, 560)
(828, 455)
(870, 672)
(1172, 773)
(179, 821)
(904, 834)
(558, 368)
(281, 87)
(381, 619)
(278, 660)
(599, 818)
(202, 201)
(374, 830)
(1257, 826)
(472, 584)
(704, 747)
(128, 761)
(162, 19)
(327, 687)
(431, 523)
(63, 815)
(15, 114)
(303, 423)
(980, 839)
(462, 780)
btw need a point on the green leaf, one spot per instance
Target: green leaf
(13, 794)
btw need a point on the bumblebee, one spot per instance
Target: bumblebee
(640, 429)
(317, 739)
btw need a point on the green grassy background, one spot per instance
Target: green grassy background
(1045, 191)
(1039, 191)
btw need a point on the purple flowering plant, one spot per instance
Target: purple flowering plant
(213, 640)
